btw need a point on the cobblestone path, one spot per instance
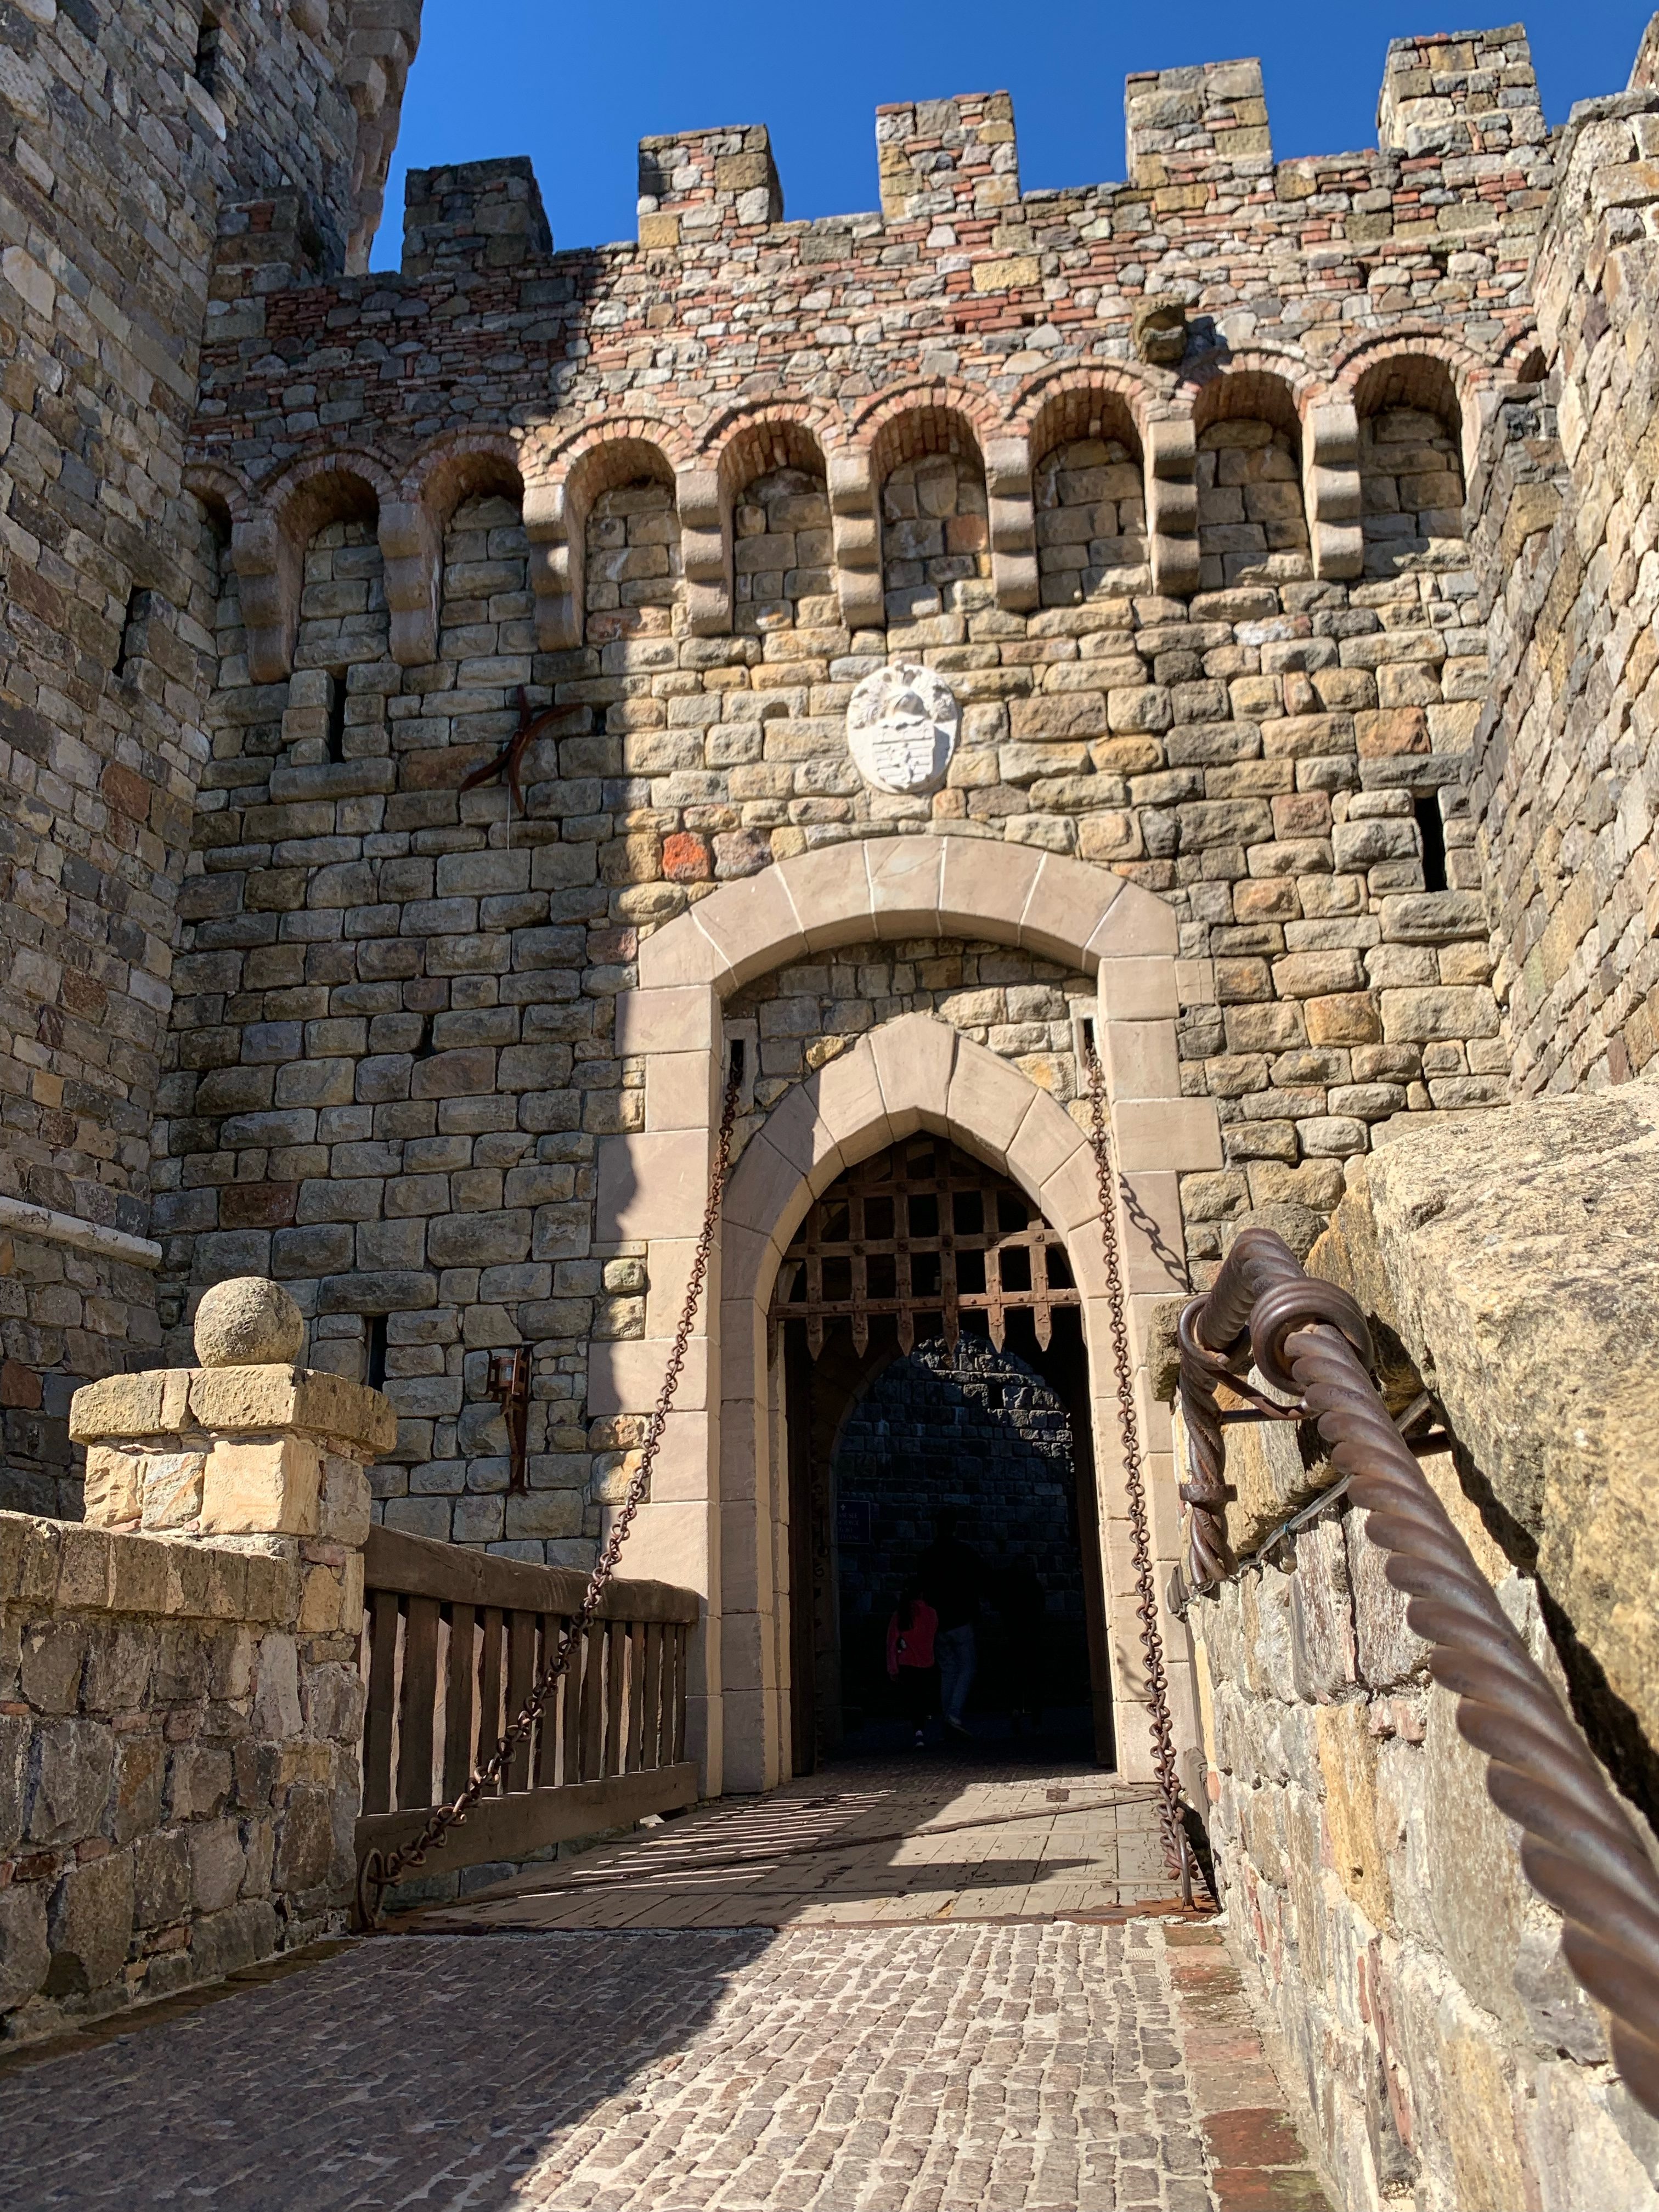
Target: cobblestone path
(1073, 2063)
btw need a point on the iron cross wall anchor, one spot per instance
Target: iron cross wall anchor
(509, 763)
(509, 1385)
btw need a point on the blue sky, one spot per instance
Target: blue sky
(574, 86)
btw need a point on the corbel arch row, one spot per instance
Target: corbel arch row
(559, 476)
(272, 525)
(738, 446)
(560, 497)
(1426, 369)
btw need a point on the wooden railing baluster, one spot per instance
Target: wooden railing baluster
(676, 1715)
(460, 1700)
(635, 1759)
(490, 1681)
(382, 1700)
(570, 1719)
(652, 1745)
(593, 1720)
(521, 1674)
(616, 1667)
(454, 1640)
(418, 1702)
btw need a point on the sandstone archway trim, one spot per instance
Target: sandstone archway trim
(917, 886)
(717, 1520)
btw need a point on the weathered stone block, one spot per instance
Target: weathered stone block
(114, 1486)
(1509, 1253)
(160, 1878)
(25, 1952)
(216, 1864)
(69, 1787)
(91, 1924)
(273, 1488)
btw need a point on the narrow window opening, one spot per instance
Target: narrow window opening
(374, 1363)
(337, 706)
(423, 1046)
(207, 55)
(1433, 834)
(134, 634)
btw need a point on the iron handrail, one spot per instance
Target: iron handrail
(1580, 1849)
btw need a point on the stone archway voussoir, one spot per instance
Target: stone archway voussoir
(873, 888)
(914, 1060)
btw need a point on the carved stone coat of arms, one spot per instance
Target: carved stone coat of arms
(902, 726)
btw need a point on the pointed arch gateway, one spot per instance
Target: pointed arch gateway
(717, 1517)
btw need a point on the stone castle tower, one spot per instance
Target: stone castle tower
(1209, 616)
(153, 155)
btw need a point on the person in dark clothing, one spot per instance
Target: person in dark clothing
(911, 1665)
(952, 1575)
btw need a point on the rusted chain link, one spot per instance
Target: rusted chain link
(1580, 1850)
(1135, 1482)
(377, 1873)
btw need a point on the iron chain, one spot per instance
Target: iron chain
(378, 1872)
(1134, 1481)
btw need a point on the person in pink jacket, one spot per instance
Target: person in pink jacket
(911, 1665)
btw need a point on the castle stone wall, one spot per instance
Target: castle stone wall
(1164, 478)
(1565, 785)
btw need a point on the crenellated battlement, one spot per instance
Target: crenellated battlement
(1475, 92)
(1213, 284)
(480, 217)
(698, 183)
(1183, 125)
(1195, 137)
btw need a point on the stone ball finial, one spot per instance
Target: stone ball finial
(248, 1322)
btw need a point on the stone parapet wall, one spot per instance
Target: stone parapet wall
(182, 1702)
(1375, 1895)
(174, 1757)
(1377, 1905)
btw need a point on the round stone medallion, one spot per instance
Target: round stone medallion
(902, 727)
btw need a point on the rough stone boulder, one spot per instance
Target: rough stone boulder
(1514, 1257)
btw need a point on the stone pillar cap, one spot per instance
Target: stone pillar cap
(235, 1402)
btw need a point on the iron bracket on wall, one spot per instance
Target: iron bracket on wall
(509, 1385)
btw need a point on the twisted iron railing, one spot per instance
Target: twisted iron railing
(1580, 1849)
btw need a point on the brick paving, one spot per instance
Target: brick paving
(1039, 2060)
